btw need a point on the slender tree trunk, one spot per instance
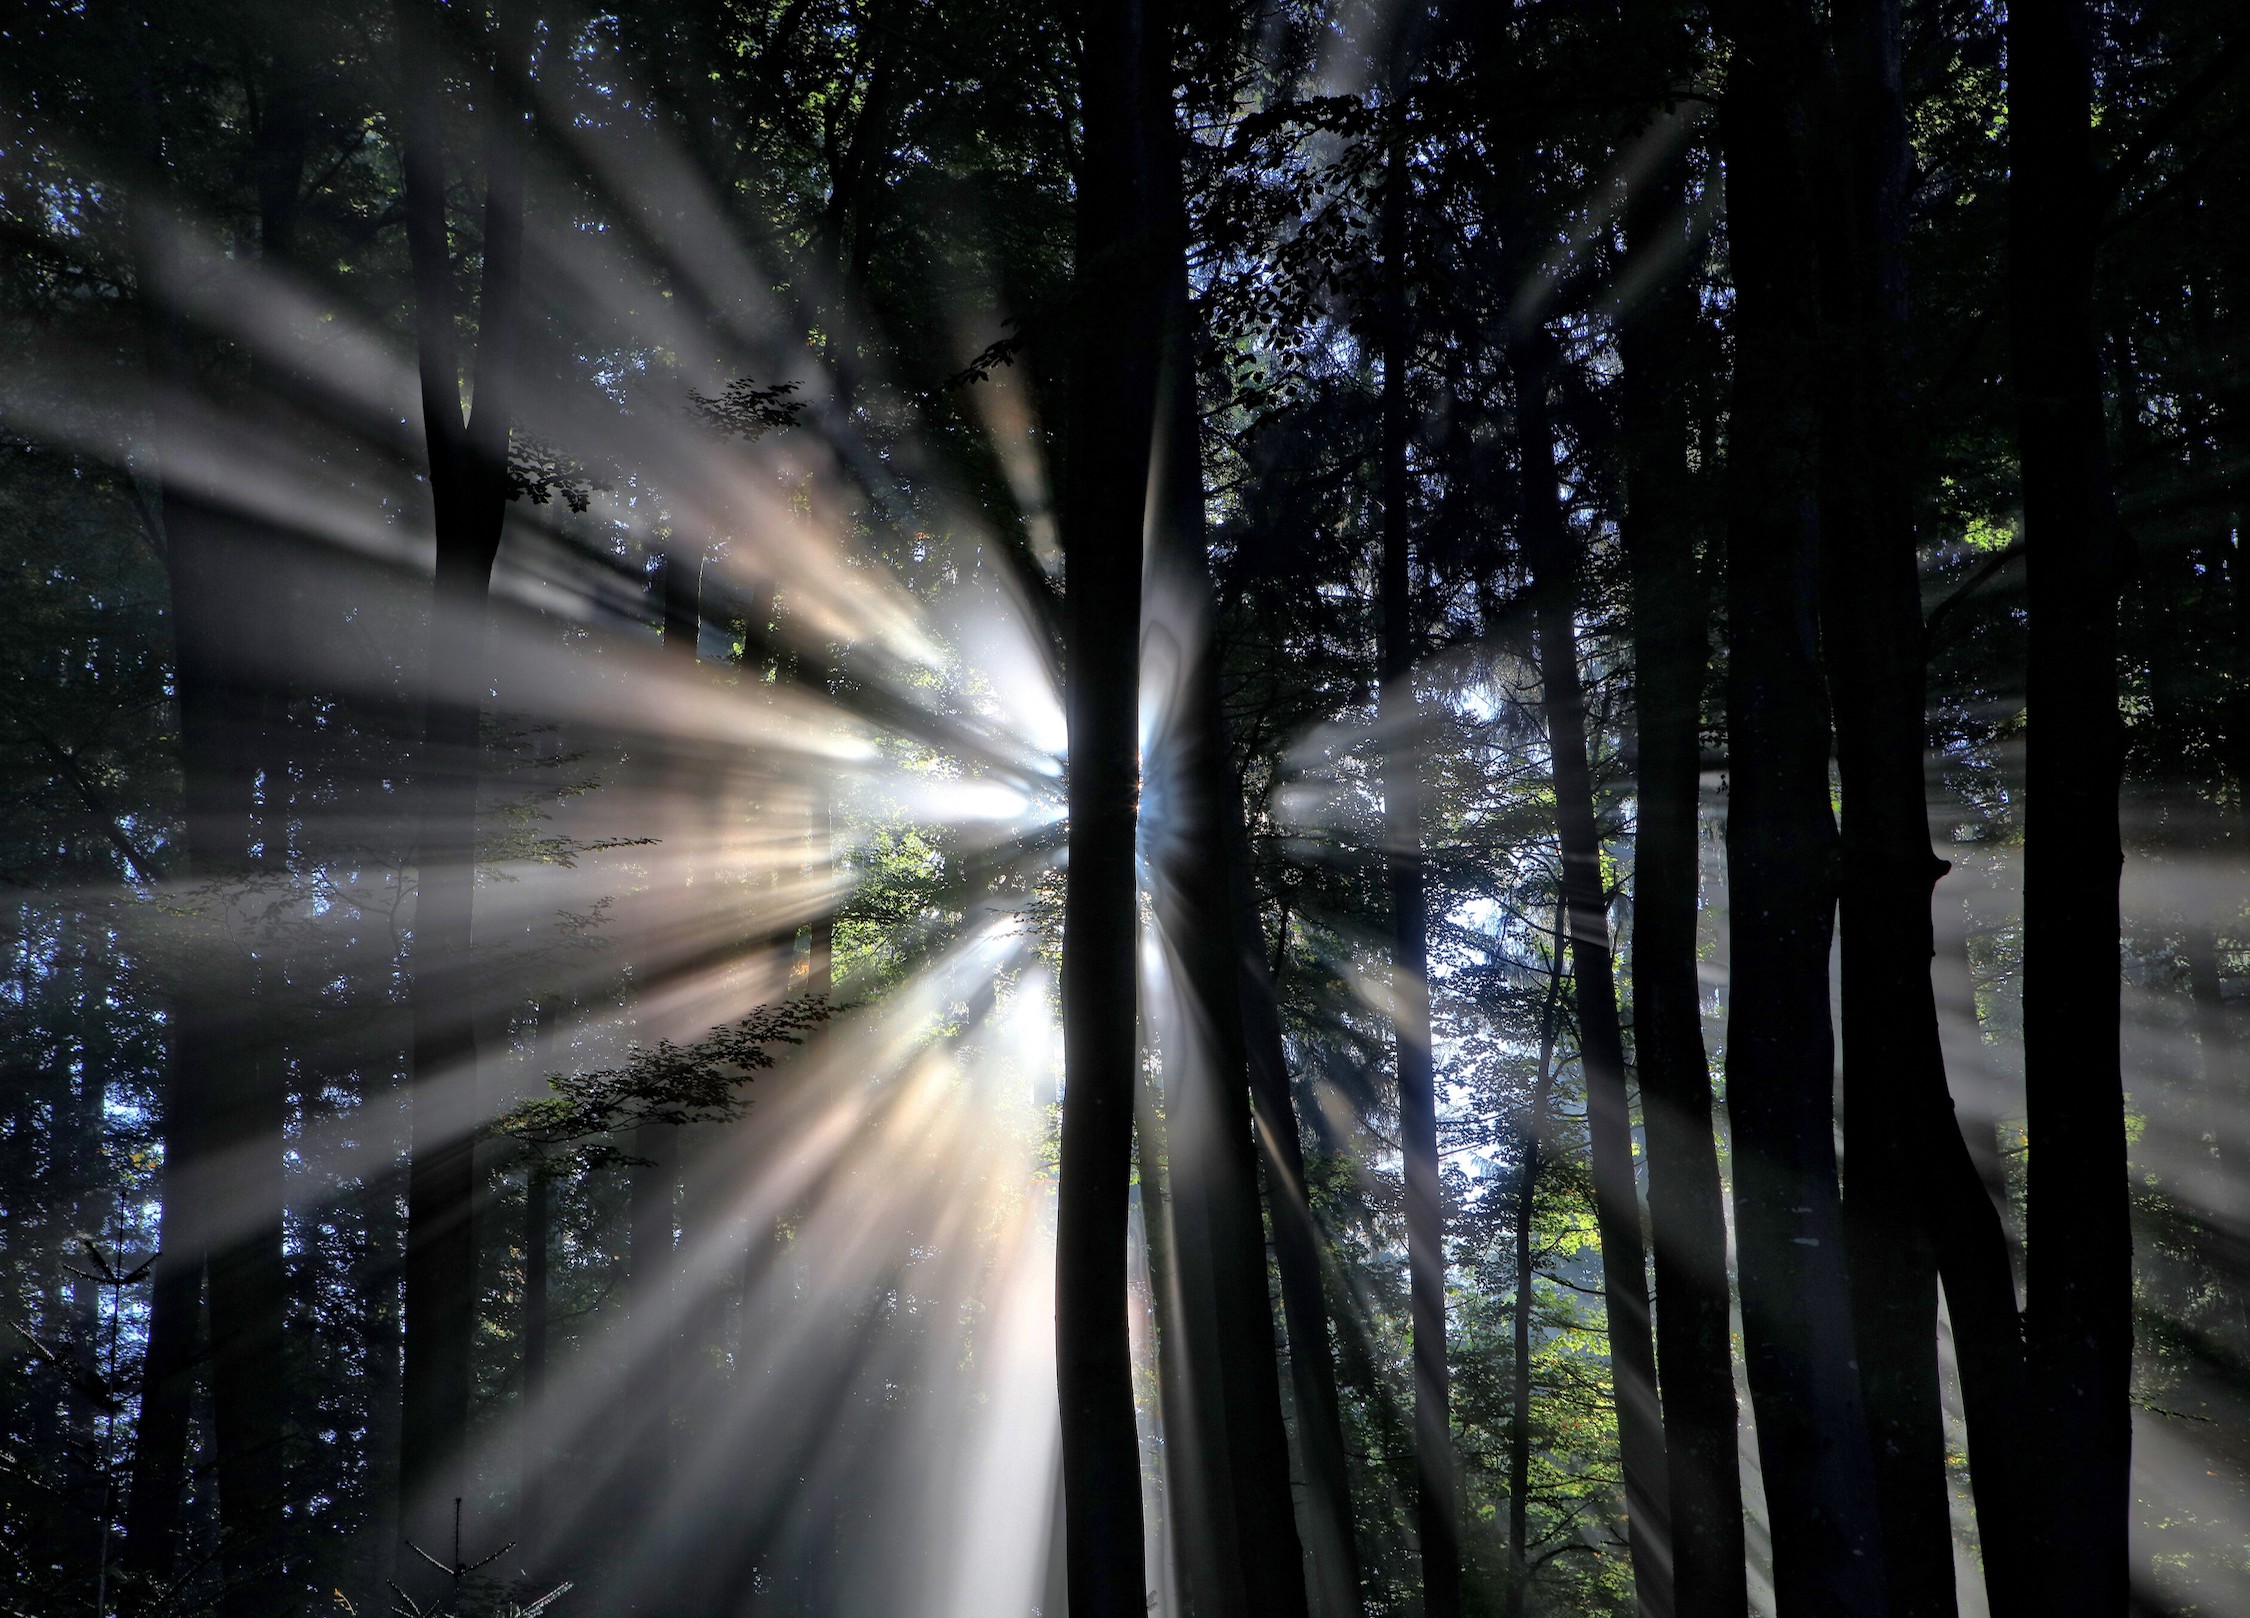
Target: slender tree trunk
(1109, 419)
(1331, 1534)
(2227, 1055)
(538, 1228)
(1193, 820)
(93, 1218)
(1601, 1037)
(152, 1508)
(468, 496)
(2079, 1327)
(245, 1275)
(2202, 1184)
(1687, 1216)
(1437, 1503)
(223, 1111)
(655, 1180)
(1527, 1276)
(215, 1211)
(226, 1103)
(1915, 1204)
(2165, 585)
(1781, 846)
(2237, 562)
(378, 1281)
(1197, 1535)
(248, 1302)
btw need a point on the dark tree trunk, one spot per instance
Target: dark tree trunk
(223, 1107)
(1526, 1278)
(538, 1228)
(226, 1102)
(1197, 1545)
(2200, 1182)
(2079, 1327)
(377, 1281)
(1782, 860)
(1687, 1216)
(224, 1110)
(655, 1180)
(1193, 820)
(2227, 1047)
(1109, 417)
(245, 1277)
(652, 1277)
(1437, 1504)
(247, 1286)
(1601, 1037)
(152, 1509)
(1331, 1534)
(1915, 1204)
(538, 1234)
(2237, 561)
(468, 498)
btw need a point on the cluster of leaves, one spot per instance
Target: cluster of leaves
(747, 411)
(540, 472)
(667, 1083)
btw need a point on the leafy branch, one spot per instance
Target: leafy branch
(748, 411)
(666, 1083)
(540, 471)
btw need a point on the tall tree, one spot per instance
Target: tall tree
(1671, 641)
(1601, 1036)
(652, 1275)
(223, 1120)
(1437, 1487)
(1331, 1534)
(1781, 855)
(226, 1105)
(2079, 1325)
(1914, 1202)
(1211, 1156)
(533, 1455)
(246, 1281)
(468, 480)
(1528, 1165)
(1109, 420)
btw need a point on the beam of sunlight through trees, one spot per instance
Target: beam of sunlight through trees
(555, 561)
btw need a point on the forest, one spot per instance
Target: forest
(1217, 808)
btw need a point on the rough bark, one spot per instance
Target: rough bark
(2079, 1336)
(1687, 1217)
(1109, 418)
(1782, 860)
(1601, 1036)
